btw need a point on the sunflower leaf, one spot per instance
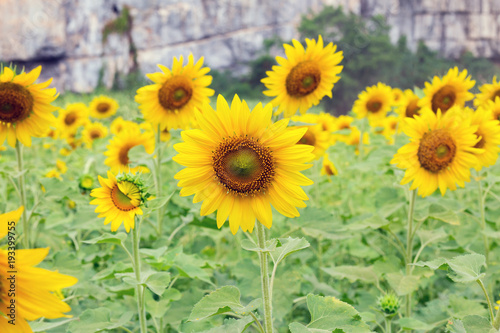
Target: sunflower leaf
(474, 323)
(288, 246)
(414, 324)
(467, 268)
(222, 300)
(158, 282)
(250, 246)
(352, 273)
(118, 238)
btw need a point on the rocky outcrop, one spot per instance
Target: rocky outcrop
(84, 42)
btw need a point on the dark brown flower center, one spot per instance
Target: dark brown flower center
(481, 142)
(303, 79)
(103, 107)
(70, 118)
(96, 134)
(412, 108)
(444, 99)
(436, 150)
(123, 155)
(308, 138)
(329, 171)
(175, 93)
(495, 95)
(374, 105)
(120, 200)
(16, 102)
(243, 166)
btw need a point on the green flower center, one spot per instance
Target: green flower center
(303, 79)
(175, 93)
(437, 150)
(243, 166)
(443, 99)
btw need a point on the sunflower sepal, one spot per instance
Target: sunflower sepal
(137, 181)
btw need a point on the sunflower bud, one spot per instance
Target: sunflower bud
(389, 304)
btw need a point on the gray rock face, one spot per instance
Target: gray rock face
(67, 36)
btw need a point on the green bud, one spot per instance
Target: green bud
(389, 303)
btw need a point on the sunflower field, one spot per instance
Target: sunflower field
(173, 209)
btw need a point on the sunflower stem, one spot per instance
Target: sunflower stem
(409, 246)
(483, 219)
(264, 273)
(141, 309)
(157, 164)
(22, 192)
(490, 307)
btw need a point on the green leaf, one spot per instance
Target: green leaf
(118, 238)
(219, 301)
(43, 326)
(158, 282)
(159, 202)
(329, 313)
(299, 328)
(402, 284)
(158, 308)
(352, 273)
(94, 320)
(433, 264)
(248, 245)
(373, 221)
(414, 324)
(232, 326)
(467, 268)
(474, 323)
(444, 214)
(288, 246)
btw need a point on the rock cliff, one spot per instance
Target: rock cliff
(82, 42)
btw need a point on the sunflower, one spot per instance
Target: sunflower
(489, 92)
(328, 168)
(171, 100)
(398, 96)
(305, 77)
(119, 146)
(353, 138)
(25, 109)
(103, 107)
(240, 163)
(374, 102)
(71, 118)
(452, 89)
(440, 153)
(93, 131)
(488, 131)
(118, 124)
(36, 288)
(315, 135)
(119, 200)
(494, 107)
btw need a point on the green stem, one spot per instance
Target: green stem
(490, 307)
(22, 191)
(496, 321)
(409, 247)
(320, 260)
(483, 220)
(157, 164)
(388, 325)
(264, 273)
(141, 309)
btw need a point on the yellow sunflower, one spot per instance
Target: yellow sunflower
(488, 131)
(409, 106)
(374, 102)
(119, 200)
(118, 124)
(398, 96)
(494, 107)
(452, 89)
(25, 109)
(489, 92)
(240, 163)
(35, 288)
(328, 168)
(305, 77)
(315, 135)
(171, 100)
(440, 153)
(71, 118)
(119, 146)
(103, 107)
(93, 131)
